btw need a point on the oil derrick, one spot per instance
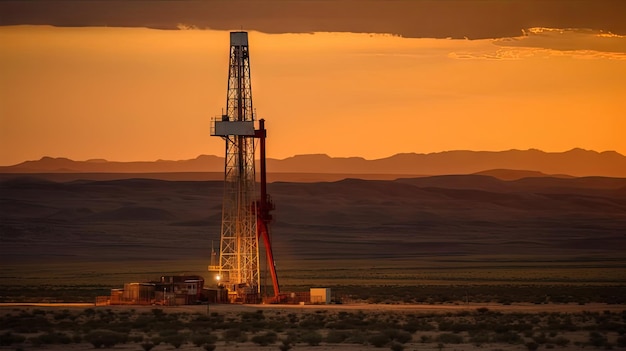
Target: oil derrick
(245, 215)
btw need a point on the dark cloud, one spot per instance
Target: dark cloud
(474, 19)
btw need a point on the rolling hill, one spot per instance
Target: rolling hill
(322, 229)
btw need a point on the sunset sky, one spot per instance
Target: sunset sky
(129, 94)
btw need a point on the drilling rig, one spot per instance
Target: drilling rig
(245, 214)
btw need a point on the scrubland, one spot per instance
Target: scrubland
(267, 327)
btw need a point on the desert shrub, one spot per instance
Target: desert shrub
(135, 338)
(522, 327)
(34, 341)
(482, 310)
(312, 338)
(235, 334)
(252, 316)
(500, 328)
(157, 312)
(449, 338)
(400, 336)
(379, 339)
(243, 337)
(198, 317)
(147, 346)
(337, 336)
(313, 321)
(201, 339)
(201, 325)
(169, 323)
(54, 338)
(455, 327)
(414, 325)
(479, 338)
(175, 340)
(143, 323)
(265, 338)
(293, 318)
(167, 332)
(64, 314)
(292, 336)
(77, 338)
(252, 321)
(411, 326)
(532, 346)
(621, 341)
(508, 337)
(424, 339)
(596, 339)
(341, 325)
(8, 339)
(277, 324)
(561, 341)
(105, 338)
(357, 337)
(124, 328)
(540, 338)
(28, 324)
(209, 347)
(156, 340)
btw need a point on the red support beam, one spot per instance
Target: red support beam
(264, 206)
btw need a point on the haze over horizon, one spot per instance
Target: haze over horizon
(139, 94)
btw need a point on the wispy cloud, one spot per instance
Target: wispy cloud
(552, 42)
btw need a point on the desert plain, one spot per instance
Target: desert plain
(355, 326)
(490, 261)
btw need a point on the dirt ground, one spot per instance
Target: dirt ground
(253, 347)
(397, 308)
(524, 308)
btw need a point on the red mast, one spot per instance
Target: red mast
(264, 206)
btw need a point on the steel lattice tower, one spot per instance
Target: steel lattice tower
(238, 267)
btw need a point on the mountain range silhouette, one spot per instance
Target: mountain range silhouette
(575, 162)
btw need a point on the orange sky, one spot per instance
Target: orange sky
(129, 94)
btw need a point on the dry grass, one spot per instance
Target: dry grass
(354, 327)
